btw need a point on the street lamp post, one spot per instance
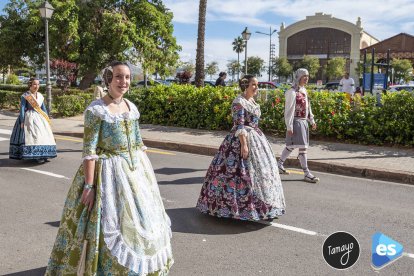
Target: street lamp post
(270, 48)
(246, 35)
(46, 11)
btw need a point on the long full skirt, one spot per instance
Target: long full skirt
(34, 141)
(248, 189)
(128, 230)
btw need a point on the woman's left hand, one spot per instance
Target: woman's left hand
(88, 198)
(314, 127)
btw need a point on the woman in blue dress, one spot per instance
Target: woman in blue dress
(243, 181)
(32, 136)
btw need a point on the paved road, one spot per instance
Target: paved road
(31, 204)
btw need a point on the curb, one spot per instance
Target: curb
(365, 172)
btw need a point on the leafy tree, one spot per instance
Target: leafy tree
(312, 64)
(282, 67)
(64, 71)
(212, 68)
(199, 77)
(238, 47)
(255, 66)
(93, 33)
(335, 68)
(233, 67)
(13, 36)
(402, 69)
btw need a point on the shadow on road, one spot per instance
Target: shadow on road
(171, 171)
(13, 163)
(53, 223)
(67, 150)
(190, 220)
(33, 272)
(189, 180)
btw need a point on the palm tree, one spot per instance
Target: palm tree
(238, 47)
(199, 77)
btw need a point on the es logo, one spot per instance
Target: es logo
(384, 250)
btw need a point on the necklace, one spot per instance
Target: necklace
(117, 102)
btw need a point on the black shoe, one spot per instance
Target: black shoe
(46, 160)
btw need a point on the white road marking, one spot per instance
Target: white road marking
(311, 233)
(5, 131)
(46, 173)
(295, 229)
(409, 255)
(4, 139)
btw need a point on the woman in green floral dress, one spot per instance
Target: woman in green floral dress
(114, 202)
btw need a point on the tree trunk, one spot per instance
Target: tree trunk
(199, 77)
(87, 80)
(238, 66)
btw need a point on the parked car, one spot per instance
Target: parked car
(408, 87)
(267, 85)
(206, 83)
(332, 86)
(149, 83)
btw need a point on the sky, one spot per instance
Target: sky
(226, 19)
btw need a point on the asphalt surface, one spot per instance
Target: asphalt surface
(31, 203)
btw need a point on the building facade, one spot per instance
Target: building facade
(324, 37)
(401, 46)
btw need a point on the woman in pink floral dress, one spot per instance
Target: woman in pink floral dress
(242, 181)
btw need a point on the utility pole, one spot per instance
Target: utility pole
(270, 49)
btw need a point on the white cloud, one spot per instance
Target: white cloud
(221, 50)
(381, 19)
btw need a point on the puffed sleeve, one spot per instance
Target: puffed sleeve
(91, 135)
(22, 108)
(238, 119)
(290, 101)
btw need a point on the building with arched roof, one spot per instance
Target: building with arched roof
(324, 37)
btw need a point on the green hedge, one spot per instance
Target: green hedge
(71, 105)
(9, 99)
(65, 105)
(359, 120)
(42, 89)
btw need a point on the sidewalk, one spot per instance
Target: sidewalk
(383, 163)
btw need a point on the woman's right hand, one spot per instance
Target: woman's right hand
(290, 132)
(21, 125)
(88, 198)
(244, 151)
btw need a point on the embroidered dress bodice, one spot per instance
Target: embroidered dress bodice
(246, 113)
(109, 134)
(300, 106)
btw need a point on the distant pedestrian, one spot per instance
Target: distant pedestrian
(32, 136)
(99, 92)
(242, 181)
(347, 85)
(220, 80)
(113, 221)
(298, 113)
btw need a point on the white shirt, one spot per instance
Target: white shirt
(347, 85)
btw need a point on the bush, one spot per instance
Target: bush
(12, 79)
(71, 105)
(9, 99)
(185, 106)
